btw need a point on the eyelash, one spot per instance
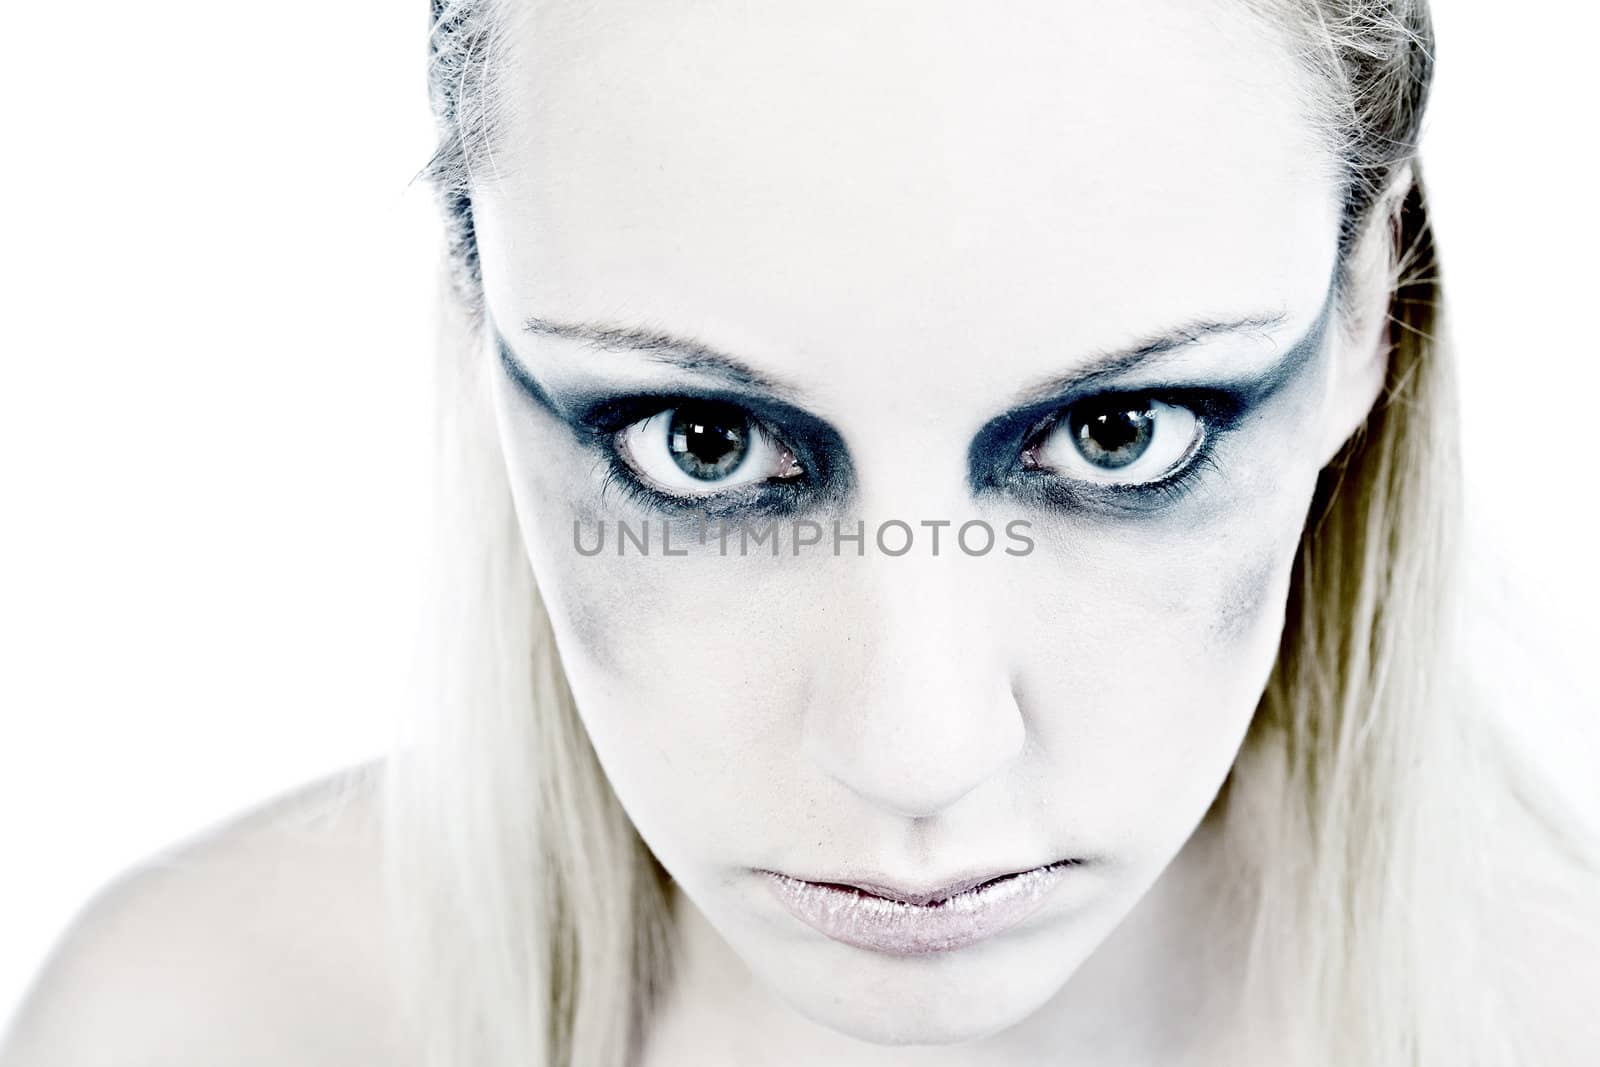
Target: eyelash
(1048, 489)
(620, 478)
(1216, 412)
(603, 422)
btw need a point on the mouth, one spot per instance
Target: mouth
(899, 921)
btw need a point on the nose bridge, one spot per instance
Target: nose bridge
(917, 710)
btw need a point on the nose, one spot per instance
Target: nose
(917, 710)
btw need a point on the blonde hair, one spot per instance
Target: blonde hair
(538, 920)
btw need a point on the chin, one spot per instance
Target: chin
(936, 999)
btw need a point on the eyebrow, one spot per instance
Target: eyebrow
(691, 354)
(1123, 360)
(685, 353)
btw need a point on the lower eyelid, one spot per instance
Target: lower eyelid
(743, 499)
(1191, 452)
(1184, 477)
(1053, 491)
(1196, 450)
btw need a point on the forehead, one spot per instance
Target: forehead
(813, 182)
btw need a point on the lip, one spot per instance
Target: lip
(898, 921)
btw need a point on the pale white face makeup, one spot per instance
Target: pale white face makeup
(912, 225)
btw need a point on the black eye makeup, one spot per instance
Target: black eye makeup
(1111, 451)
(715, 454)
(708, 454)
(1084, 446)
(1127, 450)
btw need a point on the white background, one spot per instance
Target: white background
(213, 404)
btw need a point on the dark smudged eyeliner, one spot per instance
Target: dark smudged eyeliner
(519, 375)
(595, 420)
(995, 458)
(824, 483)
(994, 461)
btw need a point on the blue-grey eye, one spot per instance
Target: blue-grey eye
(1116, 440)
(704, 447)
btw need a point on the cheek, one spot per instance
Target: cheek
(1150, 650)
(690, 675)
(686, 669)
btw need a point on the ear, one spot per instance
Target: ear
(1361, 334)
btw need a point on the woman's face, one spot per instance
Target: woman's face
(1064, 269)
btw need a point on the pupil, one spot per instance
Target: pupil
(707, 441)
(1113, 438)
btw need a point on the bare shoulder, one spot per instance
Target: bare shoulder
(260, 941)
